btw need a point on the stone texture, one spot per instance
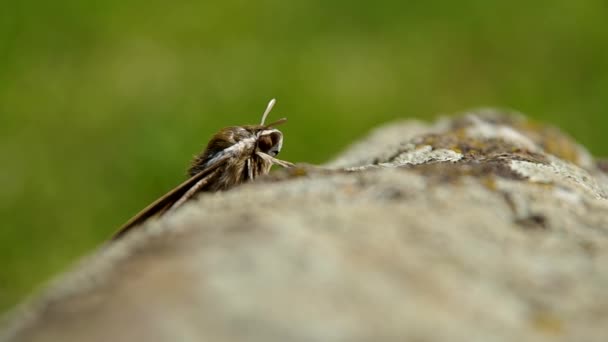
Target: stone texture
(484, 227)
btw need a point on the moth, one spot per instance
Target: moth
(234, 155)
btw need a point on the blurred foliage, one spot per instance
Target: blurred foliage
(103, 103)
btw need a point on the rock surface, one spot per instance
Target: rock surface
(485, 227)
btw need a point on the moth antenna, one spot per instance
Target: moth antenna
(276, 123)
(268, 109)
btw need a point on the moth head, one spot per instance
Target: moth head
(270, 139)
(262, 138)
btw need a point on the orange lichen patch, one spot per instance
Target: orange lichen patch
(451, 141)
(298, 171)
(545, 185)
(489, 182)
(350, 190)
(547, 137)
(550, 139)
(547, 323)
(474, 148)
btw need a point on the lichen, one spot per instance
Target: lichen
(558, 171)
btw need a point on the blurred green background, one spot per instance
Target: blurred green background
(103, 103)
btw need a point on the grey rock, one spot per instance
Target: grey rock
(485, 227)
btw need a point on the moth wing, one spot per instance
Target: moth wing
(173, 198)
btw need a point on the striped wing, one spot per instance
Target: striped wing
(174, 198)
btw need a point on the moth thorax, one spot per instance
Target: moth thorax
(270, 142)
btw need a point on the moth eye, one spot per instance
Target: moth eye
(270, 143)
(264, 143)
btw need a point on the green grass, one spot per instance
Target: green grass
(102, 104)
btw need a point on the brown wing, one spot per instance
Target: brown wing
(173, 198)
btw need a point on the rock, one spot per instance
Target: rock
(485, 227)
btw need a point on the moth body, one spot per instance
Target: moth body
(239, 148)
(234, 155)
